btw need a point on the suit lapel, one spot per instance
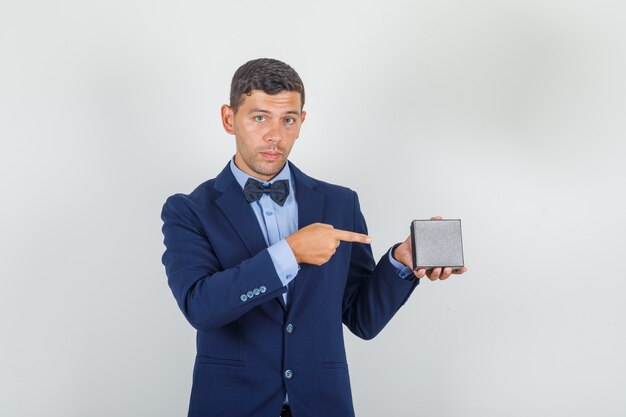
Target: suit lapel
(240, 215)
(310, 210)
(310, 201)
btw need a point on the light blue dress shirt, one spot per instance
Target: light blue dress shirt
(278, 222)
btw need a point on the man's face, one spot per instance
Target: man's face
(265, 128)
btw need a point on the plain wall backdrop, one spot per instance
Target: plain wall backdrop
(506, 114)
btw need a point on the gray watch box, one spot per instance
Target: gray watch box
(437, 243)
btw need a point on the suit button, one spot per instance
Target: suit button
(250, 294)
(256, 291)
(262, 288)
(288, 374)
(289, 328)
(243, 297)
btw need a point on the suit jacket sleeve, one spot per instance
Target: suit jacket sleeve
(208, 295)
(374, 292)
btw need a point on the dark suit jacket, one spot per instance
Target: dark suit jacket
(250, 353)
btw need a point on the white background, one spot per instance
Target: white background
(506, 114)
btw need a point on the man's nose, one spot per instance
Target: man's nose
(274, 134)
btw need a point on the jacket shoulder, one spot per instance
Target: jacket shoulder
(194, 201)
(334, 189)
(327, 187)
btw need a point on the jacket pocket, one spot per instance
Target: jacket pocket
(207, 360)
(334, 365)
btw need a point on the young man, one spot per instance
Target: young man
(267, 263)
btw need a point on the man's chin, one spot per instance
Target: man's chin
(270, 168)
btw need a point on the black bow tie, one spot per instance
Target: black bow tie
(278, 191)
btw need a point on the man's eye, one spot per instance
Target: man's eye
(259, 118)
(290, 120)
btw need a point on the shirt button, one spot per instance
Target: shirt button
(250, 294)
(243, 297)
(289, 328)
(262, 288)
(256, 291)
(269, 213)
(288, 374)
(288, 276)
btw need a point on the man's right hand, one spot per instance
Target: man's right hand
(316, 243)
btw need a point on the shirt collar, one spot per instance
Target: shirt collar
(242, 177)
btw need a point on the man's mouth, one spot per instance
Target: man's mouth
(272, 156)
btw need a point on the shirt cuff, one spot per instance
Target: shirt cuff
(284, 261)
(402, 270)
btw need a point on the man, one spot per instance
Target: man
(267, 263)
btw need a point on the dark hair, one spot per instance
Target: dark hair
(268, 75)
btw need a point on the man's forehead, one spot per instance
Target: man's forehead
(285, 101)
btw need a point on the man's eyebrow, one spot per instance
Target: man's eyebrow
(259, 111)
(297, 113)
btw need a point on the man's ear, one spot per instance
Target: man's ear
(303, 113)
(228, 116)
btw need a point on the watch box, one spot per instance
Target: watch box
(437, 243)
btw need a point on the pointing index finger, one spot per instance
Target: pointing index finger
(352, 236)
